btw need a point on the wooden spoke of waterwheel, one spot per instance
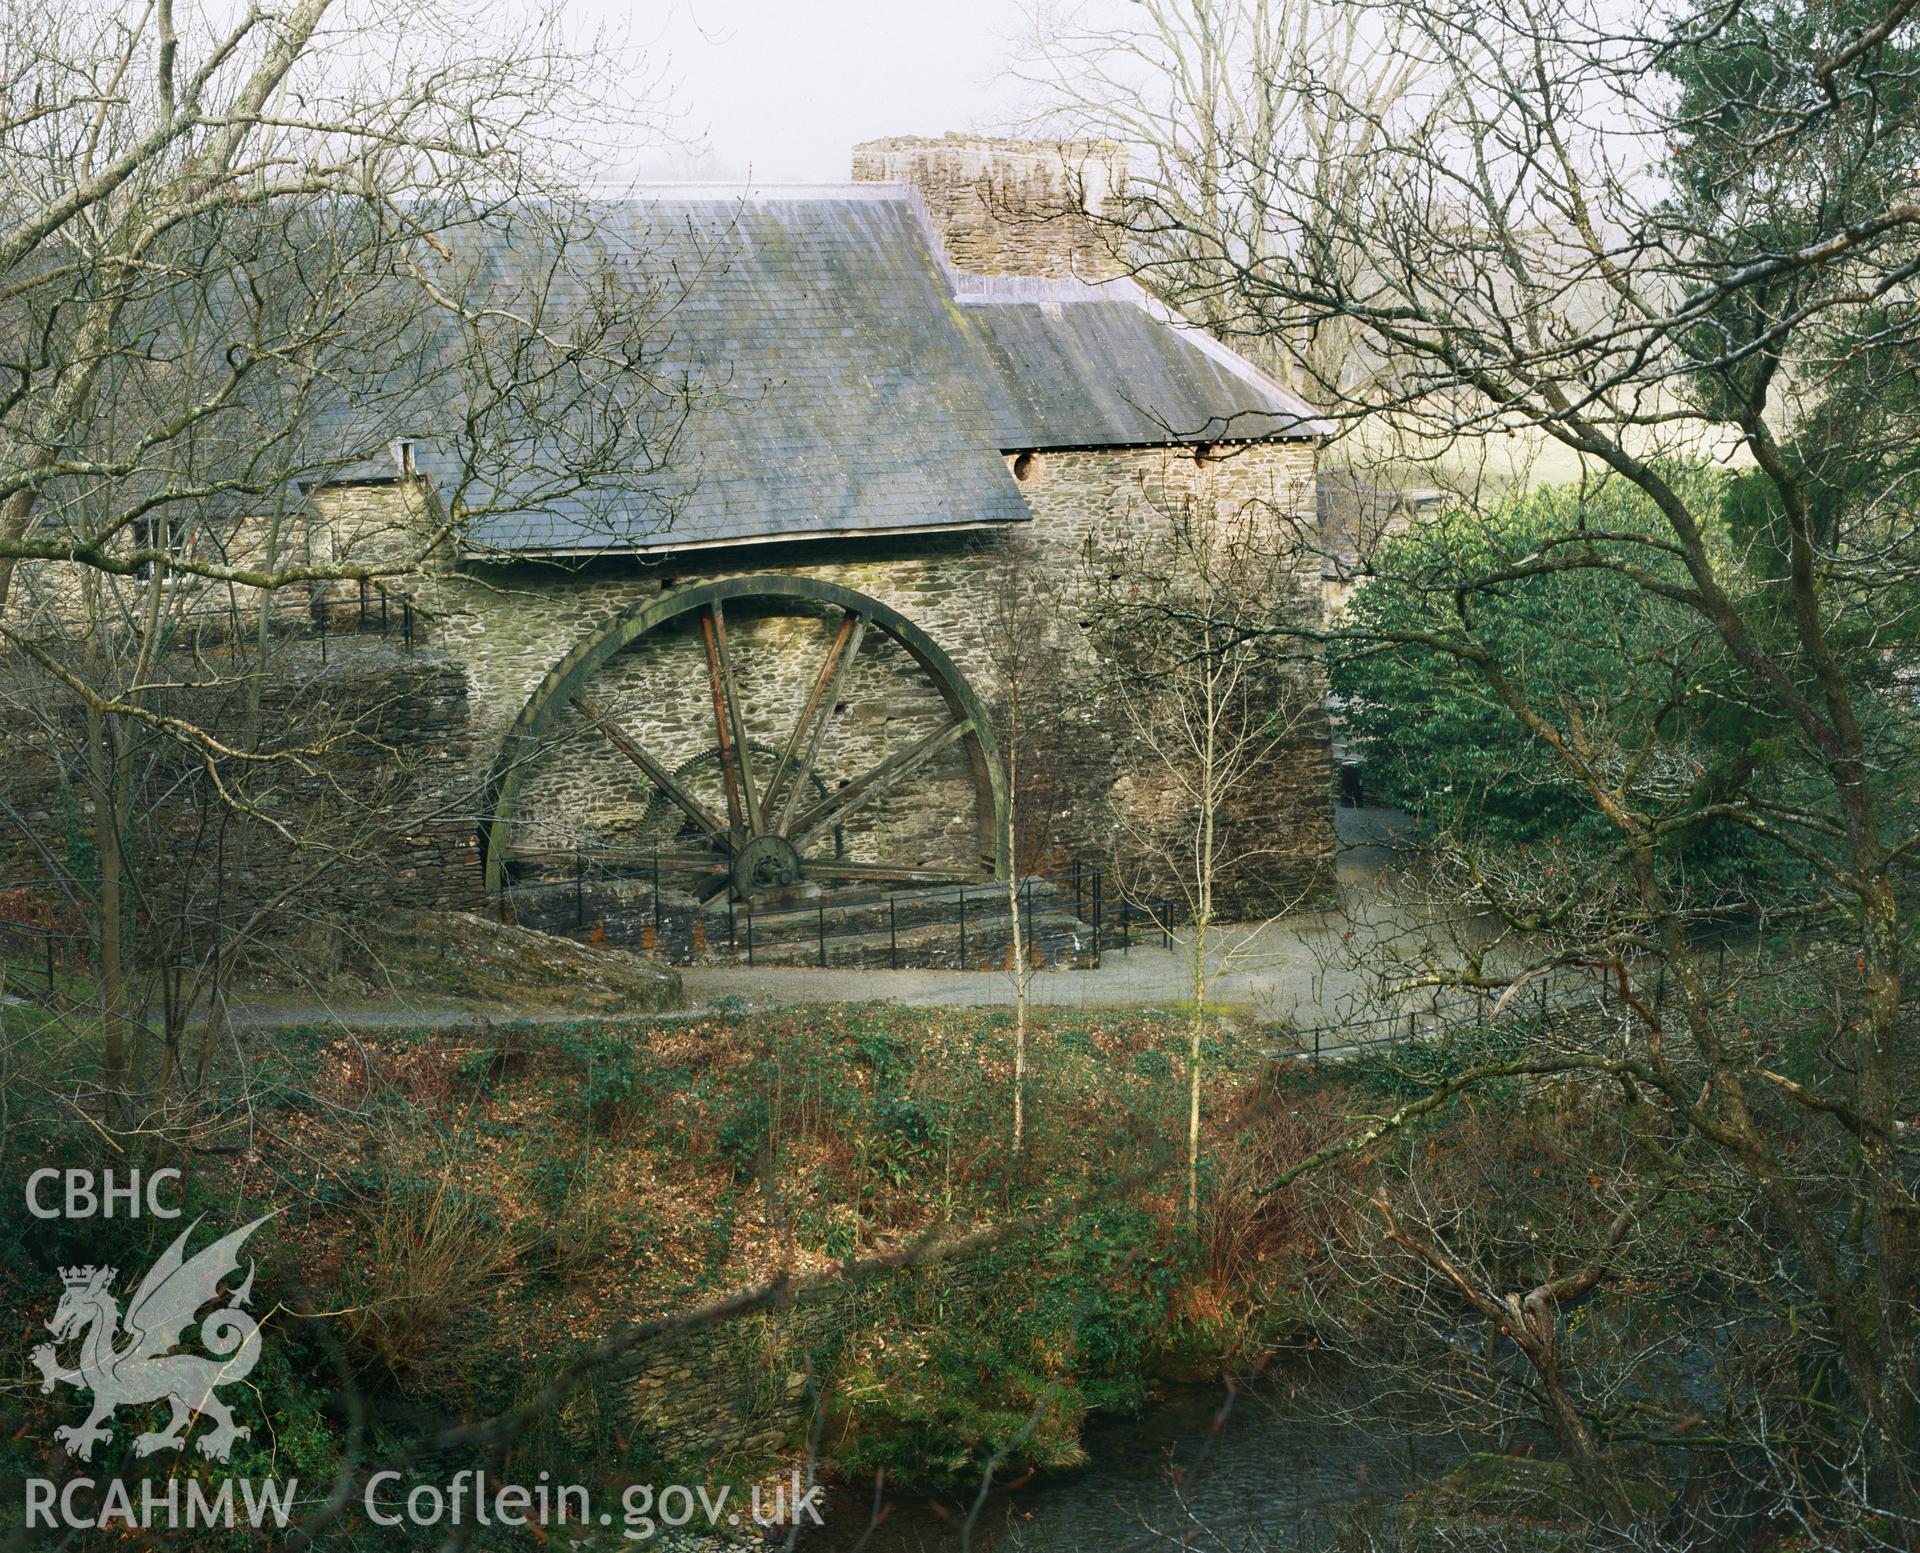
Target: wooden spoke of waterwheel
(862, 789)
(811, 724)
(846, 868)
(729, 724)
(654, 772)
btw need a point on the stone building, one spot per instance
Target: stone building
(919, 396)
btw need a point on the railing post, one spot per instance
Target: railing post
(1412, 1027)
(893, 935)
(1126, 927)
(1076, 886)
(1316, 1048)
(733, 946)
(823, 934)
(579, 881)
(1099, 945)
(749, 933)
(963, 927)
(656, 898)
(406, 619)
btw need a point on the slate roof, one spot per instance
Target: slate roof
(1107, 373)
(847, 381)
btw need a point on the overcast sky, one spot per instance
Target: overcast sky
(786, 87)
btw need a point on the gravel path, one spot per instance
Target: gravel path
(1272, 971)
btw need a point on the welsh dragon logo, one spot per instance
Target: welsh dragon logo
(143, 1368)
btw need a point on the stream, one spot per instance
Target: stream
(1275, 1474)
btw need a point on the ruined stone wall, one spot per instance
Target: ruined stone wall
(375, 523)
(372, 733)
(1012, 207)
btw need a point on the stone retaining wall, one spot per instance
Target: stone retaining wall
(364, 819)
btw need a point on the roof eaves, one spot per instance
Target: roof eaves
(732, 541)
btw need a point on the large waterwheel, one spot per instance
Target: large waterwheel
(762, 735)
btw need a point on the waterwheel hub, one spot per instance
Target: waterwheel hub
(764, 864)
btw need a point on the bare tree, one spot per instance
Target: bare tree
(1210, 701)
(257, 267)
(244, 262)
(1025, 650)
(1204, 92)
(1642, 243)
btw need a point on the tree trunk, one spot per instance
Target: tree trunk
(1196, 1034)
(111, 915)
(1018, 949)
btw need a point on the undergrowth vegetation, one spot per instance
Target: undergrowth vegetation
(459, 1211)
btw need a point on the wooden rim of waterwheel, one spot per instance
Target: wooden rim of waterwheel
(768, 838)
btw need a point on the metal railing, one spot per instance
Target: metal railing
(976, 914)
(40, 947)
(366, 611)
(1560, 989)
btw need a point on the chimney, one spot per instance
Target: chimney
(1012, 207)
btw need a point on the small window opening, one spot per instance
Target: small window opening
(1023, 466)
